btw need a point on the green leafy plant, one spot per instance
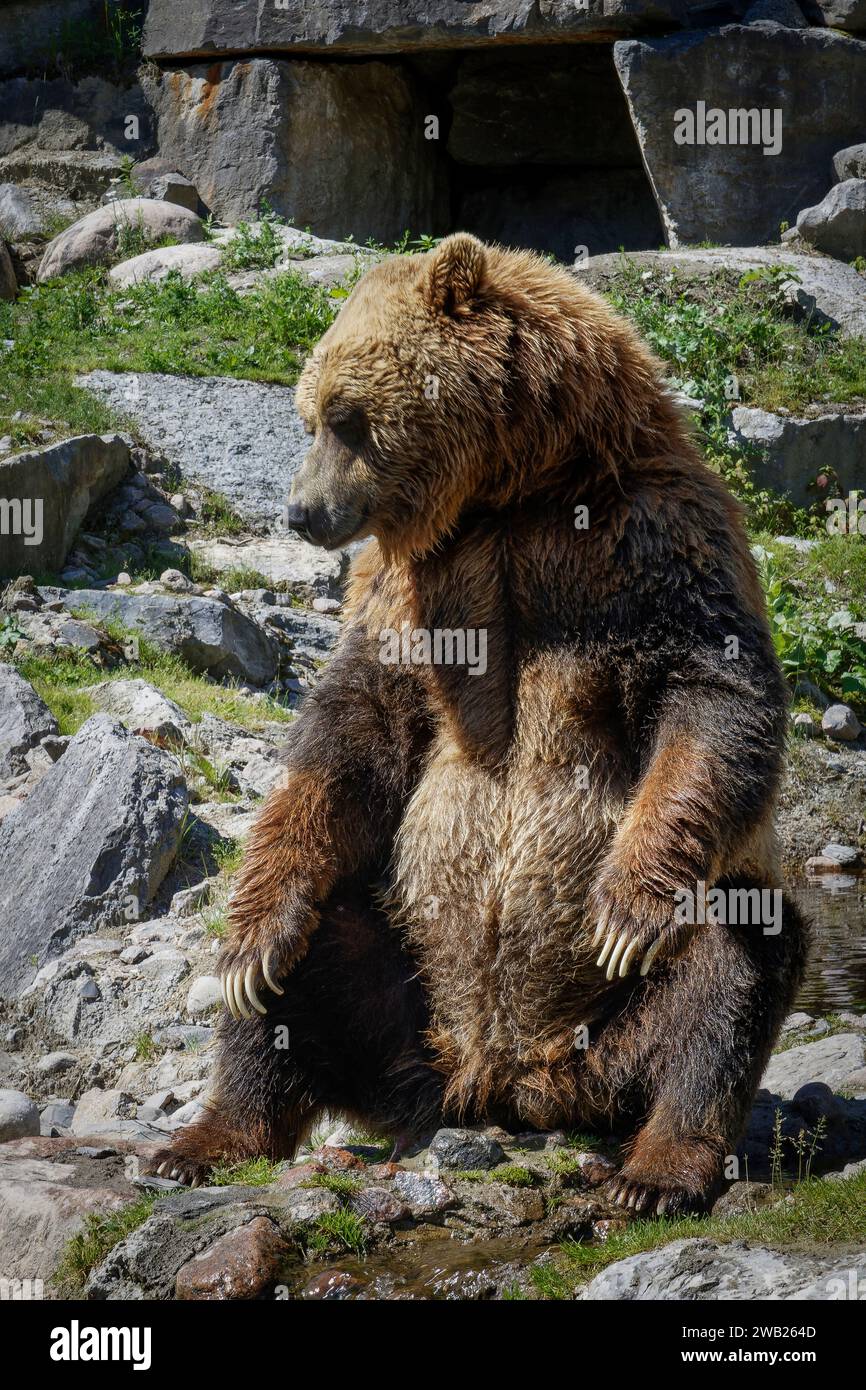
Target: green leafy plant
(810, 643)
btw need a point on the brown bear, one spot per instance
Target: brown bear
(554, 716)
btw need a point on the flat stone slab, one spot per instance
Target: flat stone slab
(240, 438)
(837, 1061)
(834, 292)
(199, 28)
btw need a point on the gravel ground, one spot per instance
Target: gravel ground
(239, 437)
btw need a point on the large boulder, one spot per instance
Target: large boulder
(88, 848)
(46, 494)
(837, 225)
(794, 450)
(25, 720)
(140, 706)
(96, 237)
(339, 148)
(703, 1269)
(840, 14)
(211, 636)
(850, 163)
(837, 1061)
(151, 266)
(814, 79)
(205, 27)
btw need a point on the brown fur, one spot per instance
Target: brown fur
(443, 811)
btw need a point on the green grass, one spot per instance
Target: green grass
(819, 1213)
(89, 1247)
(738, 327)
(217, 517)
(515, 1176)
(562, 1163)
(81, 322)
(145, 1047)
(253, 1172)
(813, 630)
(342, 1228)
(61, 677)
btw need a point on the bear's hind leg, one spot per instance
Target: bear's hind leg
(687, 1055)
(345, 1036)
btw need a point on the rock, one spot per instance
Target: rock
(152, 266)
(830, 1060)
(815, 1101)
(840, 722)
(837, 225)
(89, 846)
(427, 1196)
(824, 291)
(793, 449)
(18, 215)
(242, 1264)
(380, 1206)
(19, 1116)
(333, 1284)
(700, 1269)
(52, 490)
(842, 14)
(282, 559)
(98, 1111)
(55, 1118)
(804, 725)
(734, 192)
(846, 855)
(209, 636)
(784, 12)
(8, 280)
(25, 720)
(306, 1204)
(215, 26)
(46, 1195)
(496, 1204)
(54, 1062)
(465, 1149)
(95, 238)
(177, 583)
(140, 706)
(796, 1022)
(174, 188)
(849, 163)
(275, 111)
(204, 994)
(239, 438)
(168, 966)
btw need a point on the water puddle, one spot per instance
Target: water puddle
(836, 975)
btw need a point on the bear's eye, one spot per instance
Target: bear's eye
(349, 425)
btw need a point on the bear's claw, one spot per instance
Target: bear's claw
(239, 987)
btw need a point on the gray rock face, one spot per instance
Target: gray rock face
(850, 163)
(25, 720)
(48, 492)
(841, 14)
(211, 636)
(795, 450)
(282, 559)
(69, 117)
(827, 290)
(733, 192)
(95, 237)
(18, 216)
(837, 225)
(703, 1269)
(202, 27)
(243, 439)
(88, 848)
(832, 1060)
(785, 12)
(275, 111)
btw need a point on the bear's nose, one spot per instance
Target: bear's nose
(297, 516)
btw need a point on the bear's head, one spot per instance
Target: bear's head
(469, 377)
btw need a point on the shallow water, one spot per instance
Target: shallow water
(836, 975)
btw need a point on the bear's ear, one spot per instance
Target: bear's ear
(455, 272)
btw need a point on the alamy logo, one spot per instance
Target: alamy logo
(745, 907)
(22, 517)
(21, 1290)
(737, 126)
(77, 1343)
(443, 646)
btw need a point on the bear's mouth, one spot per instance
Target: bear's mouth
(326, 530)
